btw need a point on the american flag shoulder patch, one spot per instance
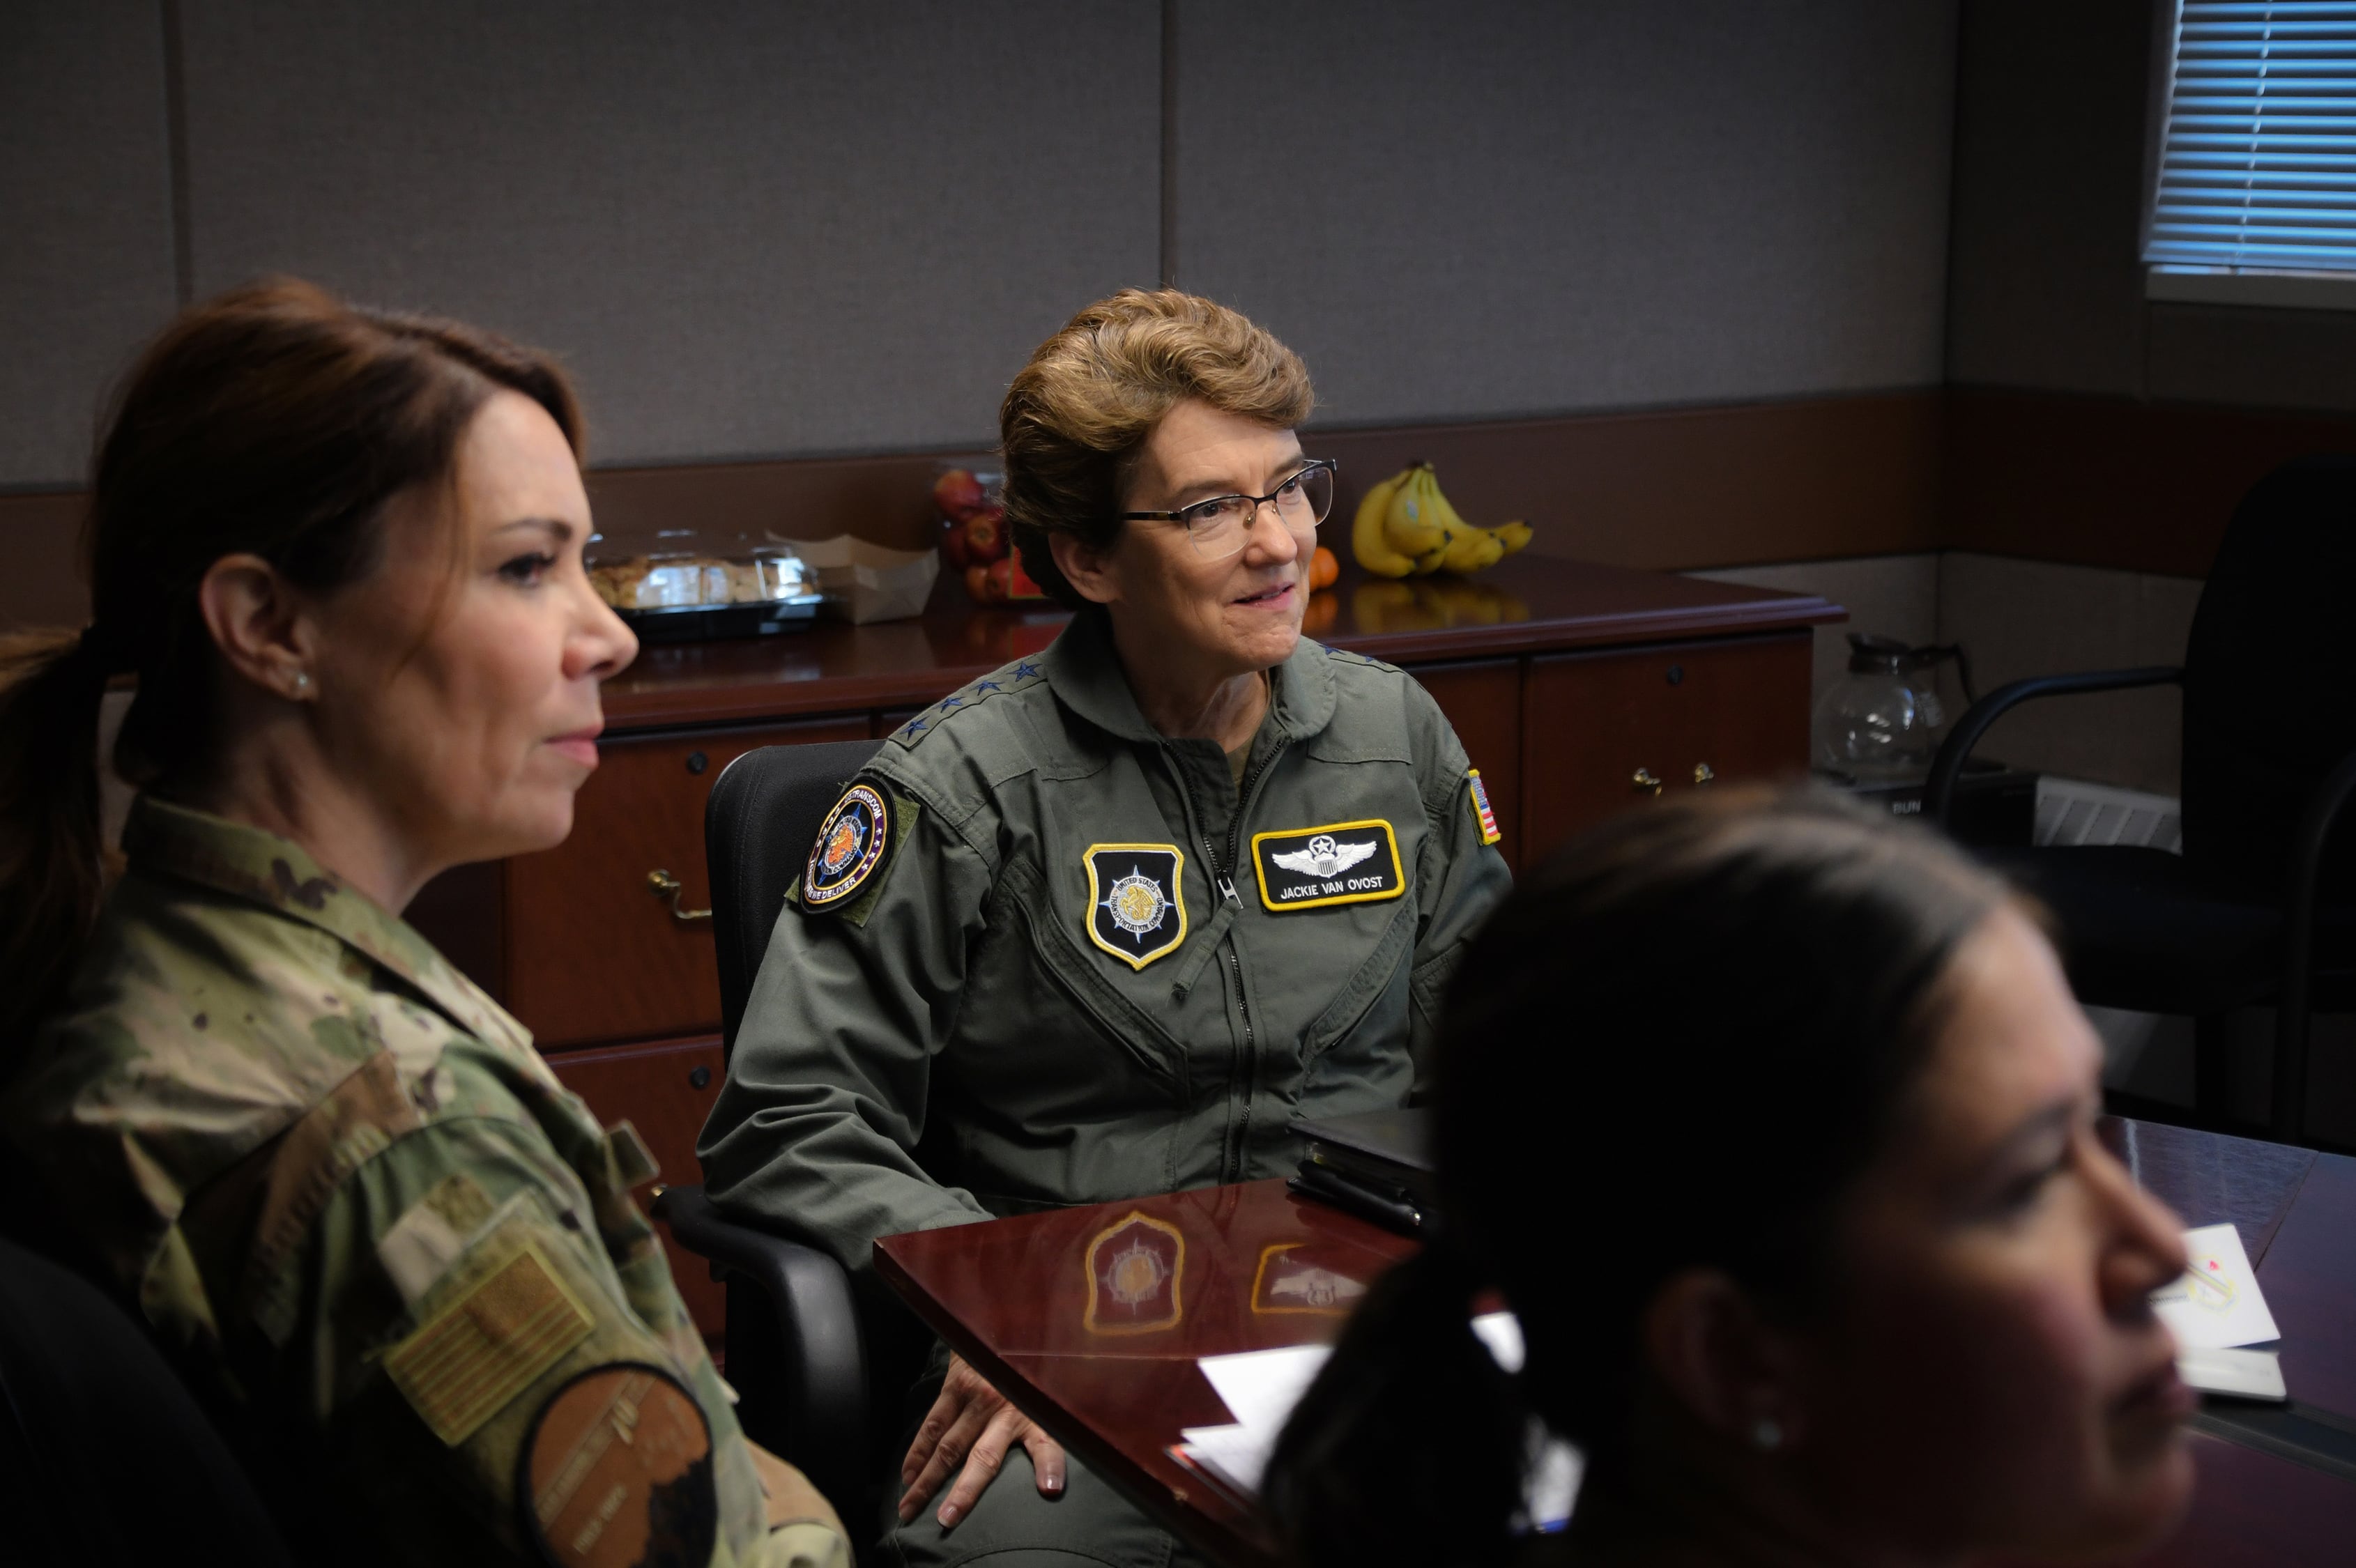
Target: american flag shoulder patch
(471, 1359)
(1487, 818)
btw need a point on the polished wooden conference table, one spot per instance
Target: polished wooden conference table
(1092, 1319)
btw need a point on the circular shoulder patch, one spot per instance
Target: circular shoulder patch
(617, 1471)
(850, 847)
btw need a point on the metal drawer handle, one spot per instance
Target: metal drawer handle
(1703, 773)
(663, 883)
(1645, 783)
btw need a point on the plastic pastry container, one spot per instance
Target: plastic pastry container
(679, 592)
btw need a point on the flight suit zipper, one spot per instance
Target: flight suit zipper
(1222, 879)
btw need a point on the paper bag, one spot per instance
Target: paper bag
(864, 582)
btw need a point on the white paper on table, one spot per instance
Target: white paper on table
(1260, 1389)
(2245, 1374)
(2216, 1305)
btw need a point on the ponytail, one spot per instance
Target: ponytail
(1412, 1443)
(276, 421)
(51, 857)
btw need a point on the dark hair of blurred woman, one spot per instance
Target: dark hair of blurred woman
(1776, 1127)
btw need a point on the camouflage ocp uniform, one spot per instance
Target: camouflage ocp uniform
(333, 1172)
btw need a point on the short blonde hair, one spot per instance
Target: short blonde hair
(1076, 416)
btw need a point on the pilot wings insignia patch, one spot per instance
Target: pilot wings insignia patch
(1340, 863)
(1324, 858)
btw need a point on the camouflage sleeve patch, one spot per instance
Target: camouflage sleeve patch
(427, 1241)
(634, 1162)
(475, 1356)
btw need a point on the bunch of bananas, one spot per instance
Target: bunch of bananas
(1405, 528)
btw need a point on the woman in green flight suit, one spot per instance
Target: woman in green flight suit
(342, 552)
(1101, 924)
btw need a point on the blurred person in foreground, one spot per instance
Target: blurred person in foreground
(341, 552)
(1775, 1126)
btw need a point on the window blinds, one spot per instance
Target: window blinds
(2259, 169)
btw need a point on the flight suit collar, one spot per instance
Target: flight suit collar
(260, 866)
(1084, 670)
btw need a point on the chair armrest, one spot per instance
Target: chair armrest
(1939, 790)
(2291, 1012)
(803, 1372)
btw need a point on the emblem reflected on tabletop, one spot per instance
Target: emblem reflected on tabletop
(849, 848)
(1137, 906)
(1296, 1276)
(1339, 863)
(1135, 1269)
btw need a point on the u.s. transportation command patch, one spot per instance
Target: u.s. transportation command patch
(1137, 907)
(616, 1472)
(1489, 834)
(849, 848)
(1340, 863)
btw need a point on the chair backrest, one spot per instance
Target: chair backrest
(2270, 677)
(758, 826)
(105, 1457)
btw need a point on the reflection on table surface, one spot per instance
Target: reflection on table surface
(1188, 1274)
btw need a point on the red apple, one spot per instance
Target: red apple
(953, 547)
(958, 494)
(985, 534)
(976, 583)
(1000, 580)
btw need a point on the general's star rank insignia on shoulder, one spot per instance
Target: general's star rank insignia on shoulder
(1340, 863)
(1481, 812)
(1137, 906)
(850, 846)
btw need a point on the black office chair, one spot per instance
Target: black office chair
(797, 1355)
(2255, 910)
(105, 1458)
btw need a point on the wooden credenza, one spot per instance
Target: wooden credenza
(1578, 690)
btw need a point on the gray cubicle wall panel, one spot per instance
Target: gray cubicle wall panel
(752, 230)
(86, 208)
(1486, 209)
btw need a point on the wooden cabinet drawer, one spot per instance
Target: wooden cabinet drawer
(1590, 721)
(664, 1091)
(593, 953)
(1483, 698)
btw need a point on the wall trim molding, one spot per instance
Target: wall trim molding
(2054, 476)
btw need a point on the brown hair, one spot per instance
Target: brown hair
(276, 419)
(1075, 418)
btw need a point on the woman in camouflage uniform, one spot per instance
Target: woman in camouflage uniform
(341, 551)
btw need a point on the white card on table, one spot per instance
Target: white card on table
(2245, 1374)
(2216, 1305)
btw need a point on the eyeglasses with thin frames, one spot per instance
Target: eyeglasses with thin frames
(1221, 525)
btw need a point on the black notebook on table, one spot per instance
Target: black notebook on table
(1378, 1166)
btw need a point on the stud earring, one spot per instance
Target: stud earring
(302, 680)
(1766, 1435)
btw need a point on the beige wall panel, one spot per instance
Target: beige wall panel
(86, 209)
(1885, 596)
(752, 230)
(2022, 618)
(1489, 210)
